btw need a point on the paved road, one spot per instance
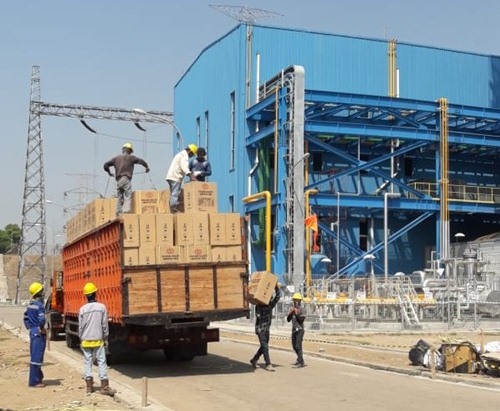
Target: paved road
(225, 380)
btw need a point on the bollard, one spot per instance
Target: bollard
(144, 391)
(433, 362)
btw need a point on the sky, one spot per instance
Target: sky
(130, 53)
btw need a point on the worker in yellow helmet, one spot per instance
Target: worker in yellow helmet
(124, 170)
(297, 317)
(34, 321)
(93, 330)
(179, 168)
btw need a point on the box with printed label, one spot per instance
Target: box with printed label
(233, 229)
(183, 229)
(201, 231)
(261, 287)
(217, 223)
(131, 256)
(131, 237)
(147, 255)
(219, 254)
(147, 228)
(164, 202)
(164, 229)
(200, 196)
(197, 253)
(145, 201)
(168, 254)
(233, 253)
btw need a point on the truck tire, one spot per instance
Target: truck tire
(53, 333)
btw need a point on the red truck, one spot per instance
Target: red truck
(159, 306)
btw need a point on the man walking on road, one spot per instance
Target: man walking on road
(296, 316)
(124, 170)
(263, 318)
(179, 168)
(34, 321)
(93, 330)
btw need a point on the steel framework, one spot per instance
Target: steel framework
(33, 241)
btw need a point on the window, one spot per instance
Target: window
(233, 131)
(363, 234)
(198, 130)
(231, 203)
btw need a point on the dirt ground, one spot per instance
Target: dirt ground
(65, 388)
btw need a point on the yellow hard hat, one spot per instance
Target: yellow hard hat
(297, 296)
(35, 288)
(89, 288)
(193, 148)
(129, 146)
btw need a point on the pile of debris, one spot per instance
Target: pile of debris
(458, 356)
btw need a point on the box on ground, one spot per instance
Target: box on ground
(261, 287)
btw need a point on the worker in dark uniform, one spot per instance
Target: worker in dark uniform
(297, 317)
(124, 170)
(200, 167)
(263, 317)
(34, 321)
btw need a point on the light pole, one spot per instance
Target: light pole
(457, 236)
(164, 120)
(386, 234)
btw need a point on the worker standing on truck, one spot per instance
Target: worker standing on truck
(93, 330)
(200, 166)
(124, 170)
(34, 321)
(263, 317)
(297, 317)
(179, 168)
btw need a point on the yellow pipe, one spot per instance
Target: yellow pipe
(308, 240)
(267, 196)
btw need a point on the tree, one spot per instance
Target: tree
(9, 238)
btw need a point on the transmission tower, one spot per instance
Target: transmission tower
(244, 14)
(32, 244)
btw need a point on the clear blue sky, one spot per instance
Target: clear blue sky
(130, 53)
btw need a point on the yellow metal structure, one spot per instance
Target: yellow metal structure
(308, 239)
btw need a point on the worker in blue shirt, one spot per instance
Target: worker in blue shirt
(199, 166)
(34, 321)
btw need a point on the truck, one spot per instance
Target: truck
(166, 306)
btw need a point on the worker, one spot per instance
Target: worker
(296, 316)
(263, 317)
(179, 168)
(34, 321)
(124, 170)
(200, 166)
(93, 330)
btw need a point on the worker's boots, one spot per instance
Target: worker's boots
(105, 388)
(90, 385)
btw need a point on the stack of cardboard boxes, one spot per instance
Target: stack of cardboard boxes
(152, 235)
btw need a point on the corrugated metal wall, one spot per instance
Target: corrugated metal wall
(333, 63)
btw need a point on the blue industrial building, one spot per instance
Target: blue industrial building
(392, 147)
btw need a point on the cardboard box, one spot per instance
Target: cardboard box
(197, 253)
(200, 196)
(145, 202)
(233, 228)
(201, 231)
(183, 229)
(219, 254)
(131, 237)
(164, 229)
(261, 287)
(147, 228)
(168, 254)
(164, 202)
(147, 255)
(217, 228)
(131, 256)
(234, 253)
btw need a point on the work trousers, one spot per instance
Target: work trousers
(264, 347)
(175, 192)
(297, 338)
(37, 350)
(124, 194)
(100, 356)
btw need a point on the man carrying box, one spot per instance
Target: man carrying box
(263, 317)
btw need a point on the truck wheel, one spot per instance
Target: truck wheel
(53, 333)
